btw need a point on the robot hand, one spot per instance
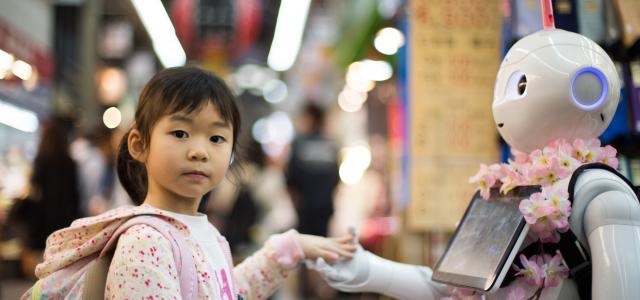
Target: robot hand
(346, 275)
(367, 272)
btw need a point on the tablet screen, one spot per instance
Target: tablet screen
(484, 240)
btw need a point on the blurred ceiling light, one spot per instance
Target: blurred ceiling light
(32, 82)
(388, 40)
(6, 61)
(277, 128)
(287, 37)
(357, 78)
(21, 69)
(247, 76)
(378, 70)
(283, 127)
(350, 174)
(351, 100)
(163, 35)
(259, 131)
(253, 78)
(112, 117)
(273, 150)
(140, 67)
(359, 155)
(275, 91)
(18, 118)
(112, 84)
(356, 160)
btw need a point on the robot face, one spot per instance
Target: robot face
(554, 84)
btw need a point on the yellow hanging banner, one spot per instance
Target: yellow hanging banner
(454, 57)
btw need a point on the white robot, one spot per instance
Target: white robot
(551, 84)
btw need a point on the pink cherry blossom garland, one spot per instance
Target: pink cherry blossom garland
(548, 211)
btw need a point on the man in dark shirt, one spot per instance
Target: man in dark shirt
(312, 176)
(312, 173)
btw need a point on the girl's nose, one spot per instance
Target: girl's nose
(199, 154)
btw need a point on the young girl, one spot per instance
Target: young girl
(180, 147)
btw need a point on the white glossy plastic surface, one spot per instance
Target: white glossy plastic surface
(367, 272)
(611, 222)
(588, 186)
(545, 111)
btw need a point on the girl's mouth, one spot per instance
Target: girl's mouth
(196, 175)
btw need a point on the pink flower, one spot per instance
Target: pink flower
(554, 270)
(485, 178)
(539, 158)
(549, 170)
(516, 294)
(586, 151)
(531, 271)
(559, 199)
(607, 156)
(521, 157)
(511, 179)
(545, 229)
(559, 144)
(499, 170)
(542, 270)
(535, 208)
(566, 160)
(558, 167)
(535, 175)
(543, 216)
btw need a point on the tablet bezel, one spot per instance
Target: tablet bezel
(492, 282)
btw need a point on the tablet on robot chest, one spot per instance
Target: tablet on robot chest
(485, 242)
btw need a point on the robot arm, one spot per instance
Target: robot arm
(606, 217)
(366, 272)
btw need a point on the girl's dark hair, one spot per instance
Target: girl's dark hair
(169, 91)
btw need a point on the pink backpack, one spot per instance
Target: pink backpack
(86, 278)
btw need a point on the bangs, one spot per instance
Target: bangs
(194, 93)
(185, 90)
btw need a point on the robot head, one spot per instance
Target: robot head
(554, 84)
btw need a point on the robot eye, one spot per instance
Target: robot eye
(516, 86)
(522, 85)
(589, 88)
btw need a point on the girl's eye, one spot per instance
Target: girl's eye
(216, 139)
(179, 134)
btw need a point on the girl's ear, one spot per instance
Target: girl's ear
(136, 145)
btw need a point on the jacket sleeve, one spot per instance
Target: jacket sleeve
(142, 267)
(259, 275)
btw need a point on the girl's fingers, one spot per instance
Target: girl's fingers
(343, 250)
(345, 253)
(328, 255)
(348, 247)
(343, 239)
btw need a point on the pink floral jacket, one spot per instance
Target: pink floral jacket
(257, 277)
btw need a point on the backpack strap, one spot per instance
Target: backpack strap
(96, 276)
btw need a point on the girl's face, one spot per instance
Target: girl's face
(188, 154)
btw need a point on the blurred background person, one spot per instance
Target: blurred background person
(312, 172)
(312, 176)
(276, 213)
(262, 205)
(100, 188)
(53, 198)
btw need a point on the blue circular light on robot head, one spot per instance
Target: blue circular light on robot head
(589, 88)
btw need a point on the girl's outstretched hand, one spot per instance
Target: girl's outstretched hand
(330, 249)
